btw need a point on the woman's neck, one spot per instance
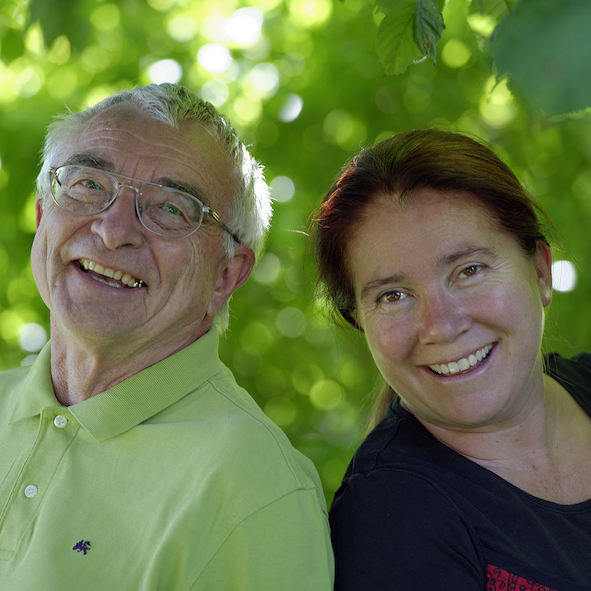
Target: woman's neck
(545, 454)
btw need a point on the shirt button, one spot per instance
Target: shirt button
(60, 422)
(31, 491)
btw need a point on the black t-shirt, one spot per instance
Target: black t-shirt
(414, 515)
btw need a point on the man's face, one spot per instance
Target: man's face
(184, 282)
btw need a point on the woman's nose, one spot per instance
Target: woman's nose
(441, 317)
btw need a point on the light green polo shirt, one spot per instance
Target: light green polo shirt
(173, 479)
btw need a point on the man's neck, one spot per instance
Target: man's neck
(83, 368)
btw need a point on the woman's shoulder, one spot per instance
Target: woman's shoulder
(574, 374)
(399, 439)
(577, 364)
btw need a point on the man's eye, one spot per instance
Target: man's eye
(90, 184)
(171, 209)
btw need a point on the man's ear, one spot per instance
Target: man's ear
(234, 274)
(543, 267)
(38, 210)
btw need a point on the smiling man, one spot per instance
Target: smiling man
(130, 457)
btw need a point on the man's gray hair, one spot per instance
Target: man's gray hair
(250, 206)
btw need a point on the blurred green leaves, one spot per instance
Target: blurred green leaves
(59, 17)
(541, 47)
(544, 49)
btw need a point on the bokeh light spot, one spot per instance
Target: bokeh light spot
(291, 322)
(496, 105)
(214, 57)
(216, 92)
(105, 17)
(292, 107)
(27, 83)
(95, 59)
(244, 26)
(564, 276)
(267, 270)
(281, 411)
(455, 54)
(32, 337)
(165, 71)
(326, 394)
(282, 189)
(310, 13)
(182, 29)
(264, 79)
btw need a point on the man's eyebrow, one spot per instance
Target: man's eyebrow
(83, 159)
(88, 160)
(185, 187)
(441, 262)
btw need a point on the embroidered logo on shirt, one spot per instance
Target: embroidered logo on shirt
(82, 546)
(499, 578)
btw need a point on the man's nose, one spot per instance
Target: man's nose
(441, 317)
(119, 224)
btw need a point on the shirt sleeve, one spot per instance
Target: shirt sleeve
(392, 529)
(285, 545)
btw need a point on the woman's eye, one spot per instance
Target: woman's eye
(471, 270)
(393, 296)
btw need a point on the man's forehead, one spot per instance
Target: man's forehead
(191, 149)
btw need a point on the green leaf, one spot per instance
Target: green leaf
(544, 49)
(395, 42)
(60, 17)
(428, 25)
(496, 9)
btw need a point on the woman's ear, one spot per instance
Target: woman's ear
(543, 267)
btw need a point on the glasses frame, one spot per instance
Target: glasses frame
(53, 171)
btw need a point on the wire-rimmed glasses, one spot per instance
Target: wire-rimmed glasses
(162, 210)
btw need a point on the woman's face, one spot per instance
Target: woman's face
(452, 309)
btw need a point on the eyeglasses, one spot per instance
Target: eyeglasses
(162, 210)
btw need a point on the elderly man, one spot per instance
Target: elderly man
(129, 457)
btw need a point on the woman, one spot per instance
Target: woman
(478, 477)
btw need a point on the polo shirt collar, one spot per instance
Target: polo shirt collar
(132, 401)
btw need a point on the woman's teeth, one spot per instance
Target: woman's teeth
(125, 278)
(463, 364)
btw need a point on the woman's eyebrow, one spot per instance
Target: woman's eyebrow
(377, 283)
(469, 251)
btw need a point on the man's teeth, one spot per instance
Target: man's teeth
(125, 278)
(462, 364)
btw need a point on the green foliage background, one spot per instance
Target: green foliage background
(311, 377)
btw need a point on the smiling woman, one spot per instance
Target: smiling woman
(478, 470)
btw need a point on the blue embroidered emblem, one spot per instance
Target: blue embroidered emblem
(82, 546)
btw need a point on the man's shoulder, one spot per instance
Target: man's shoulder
(240, 439)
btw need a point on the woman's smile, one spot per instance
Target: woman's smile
(464, 364)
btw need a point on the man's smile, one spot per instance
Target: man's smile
(121, 278)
